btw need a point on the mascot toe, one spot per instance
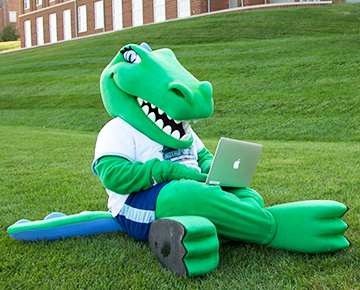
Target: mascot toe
(153, 167)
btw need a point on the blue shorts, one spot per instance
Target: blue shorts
(138, 212)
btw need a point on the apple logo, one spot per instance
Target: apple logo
(236, 164)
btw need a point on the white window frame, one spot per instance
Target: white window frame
(117, 14)
(38, 2)
(82, 19)
(40, 30)
(26, 4)
(184, 8)
(27, 33)
(99, 14)
(12, 16)
(159, 11)
(52, 28)
(137, 12)
(67, 24)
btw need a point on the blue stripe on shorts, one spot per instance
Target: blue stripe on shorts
(138, 212)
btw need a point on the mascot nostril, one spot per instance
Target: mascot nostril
(178, 92)
(183, 91)
(153, 167)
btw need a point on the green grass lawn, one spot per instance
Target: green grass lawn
(9, 45)
(286, 78)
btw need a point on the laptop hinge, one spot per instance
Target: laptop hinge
(214, 182)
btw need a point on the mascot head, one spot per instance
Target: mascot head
(155, 94)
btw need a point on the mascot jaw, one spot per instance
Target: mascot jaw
(179, 130)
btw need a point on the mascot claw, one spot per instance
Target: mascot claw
(310, 226)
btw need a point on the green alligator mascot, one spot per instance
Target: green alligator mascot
(153, 167)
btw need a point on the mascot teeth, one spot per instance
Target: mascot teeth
(177, 129)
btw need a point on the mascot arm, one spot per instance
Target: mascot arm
(122, 176)
(205, 159)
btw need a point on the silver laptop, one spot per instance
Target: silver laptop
(234, 163)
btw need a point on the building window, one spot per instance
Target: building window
(137, 9)
(26, 4)
(53, 28)
(233, 3)
(67, 24)
(38, 2)
(99, 14)
(12, 16)
(82, 18)
(183, 8)
(159, 11)
(117, 15)
(40, 30)
(27, 33)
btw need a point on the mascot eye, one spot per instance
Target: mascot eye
(131, 56)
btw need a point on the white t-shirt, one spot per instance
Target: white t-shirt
(118, 138)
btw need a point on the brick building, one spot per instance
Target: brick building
(48, 21)
(9, 12)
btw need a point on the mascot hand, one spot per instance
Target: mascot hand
(165, 170)
(310, 226)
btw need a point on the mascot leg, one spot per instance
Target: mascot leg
(186, 245)
(308, 226)
(243, 193)
(192, 217)
(237, 216)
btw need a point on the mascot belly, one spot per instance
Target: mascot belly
(153, 167)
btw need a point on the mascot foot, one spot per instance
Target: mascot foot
(310, 226)
(187, 245)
